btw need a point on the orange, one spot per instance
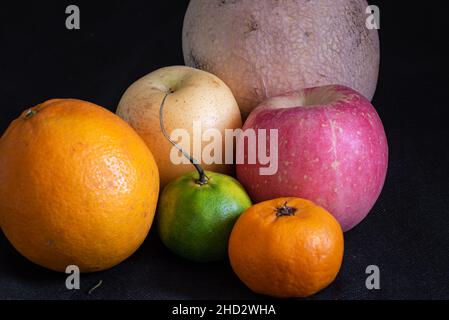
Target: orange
(286, 247)
(78, 186)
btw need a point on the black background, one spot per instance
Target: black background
(407, 232)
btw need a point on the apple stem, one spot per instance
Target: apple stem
(202, 175)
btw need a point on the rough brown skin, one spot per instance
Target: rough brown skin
(266, 48)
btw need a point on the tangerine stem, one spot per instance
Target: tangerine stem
(285, 210)
(202, 175)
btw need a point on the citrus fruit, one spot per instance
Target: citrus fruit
(78, 186)
(286, 247)
(195, 218)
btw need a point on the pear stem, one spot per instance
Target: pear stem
(202, 175)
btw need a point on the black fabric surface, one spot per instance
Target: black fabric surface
(407, 232)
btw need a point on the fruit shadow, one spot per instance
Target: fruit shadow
(153, 272)
(20, 276)
(163, 275)
(22, 279)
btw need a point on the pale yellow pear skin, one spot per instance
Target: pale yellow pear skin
(194, 95)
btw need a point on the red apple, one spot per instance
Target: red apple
(332, 149)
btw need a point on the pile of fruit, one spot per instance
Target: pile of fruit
(80, 185)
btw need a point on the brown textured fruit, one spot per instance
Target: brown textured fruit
(266, 48)
(78, 186)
